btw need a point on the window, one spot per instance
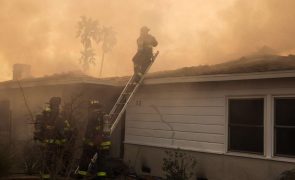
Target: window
(284, 126)
(246, 117)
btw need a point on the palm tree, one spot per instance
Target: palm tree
(88, 31)
(108, 42)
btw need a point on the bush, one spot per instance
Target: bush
(287, 175)
(31, 155)
(178, 165)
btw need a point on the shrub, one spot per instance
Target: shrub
(178, 165)
(31, 155)
(287, 175)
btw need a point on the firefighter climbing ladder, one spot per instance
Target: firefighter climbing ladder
(121, 104)
(126, 95)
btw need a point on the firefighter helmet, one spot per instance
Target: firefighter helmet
(144, 29)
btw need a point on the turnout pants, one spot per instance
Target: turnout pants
(141, 61)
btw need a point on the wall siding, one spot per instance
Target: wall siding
(178, 118)
(191, 115)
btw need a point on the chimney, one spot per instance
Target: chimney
(21, 71)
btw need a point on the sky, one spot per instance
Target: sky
(42, 33)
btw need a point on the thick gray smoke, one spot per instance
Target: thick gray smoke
(42, 33)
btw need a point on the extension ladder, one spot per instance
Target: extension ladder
(126, 95)
(121, 104)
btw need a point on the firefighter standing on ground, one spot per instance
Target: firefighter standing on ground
(142, 58)
(95, 141)
(50, 133)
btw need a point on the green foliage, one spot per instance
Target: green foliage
(178, 165)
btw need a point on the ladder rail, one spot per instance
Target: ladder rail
(121, 95)
(118, 118)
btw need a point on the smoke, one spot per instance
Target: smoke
(42, 33)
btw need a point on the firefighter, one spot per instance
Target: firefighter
(50, 133)
(142, 58)
(93, 140)
(104, 148)
(50, 117)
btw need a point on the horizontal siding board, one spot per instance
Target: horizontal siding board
(212, 129)
(149, 133)
(177, 102)
(148, 140)
(201, 137)
(142, 117)
(218, 120)
(232, 90)
(177, 110)
(179, 93)
(148, 125)
(203, 146)
(186, 119)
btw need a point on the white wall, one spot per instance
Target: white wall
(193, 116)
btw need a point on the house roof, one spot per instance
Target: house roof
(244, 68)
(64, 78)
(250, 64)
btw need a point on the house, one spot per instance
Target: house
(237, 118)
(21, 100)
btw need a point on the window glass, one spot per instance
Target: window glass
(284, 127)
(246, 125)
(285, 111)
(246, 111)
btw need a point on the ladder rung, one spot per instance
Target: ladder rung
(114, 113)
(121, 103)
(132, 83)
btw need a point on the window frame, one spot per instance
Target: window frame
(246, 153)
(273, 127)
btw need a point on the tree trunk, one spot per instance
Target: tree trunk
(101, 65)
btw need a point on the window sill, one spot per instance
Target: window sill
(246, 155)
(261, 157)
(283, 159)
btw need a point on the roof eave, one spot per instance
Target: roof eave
(222, 77)
(36, 83)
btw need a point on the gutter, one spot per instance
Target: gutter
(221, 77)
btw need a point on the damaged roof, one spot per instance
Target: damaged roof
(251, 67)
(244, 68)
(64, 78)
(251, 64)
